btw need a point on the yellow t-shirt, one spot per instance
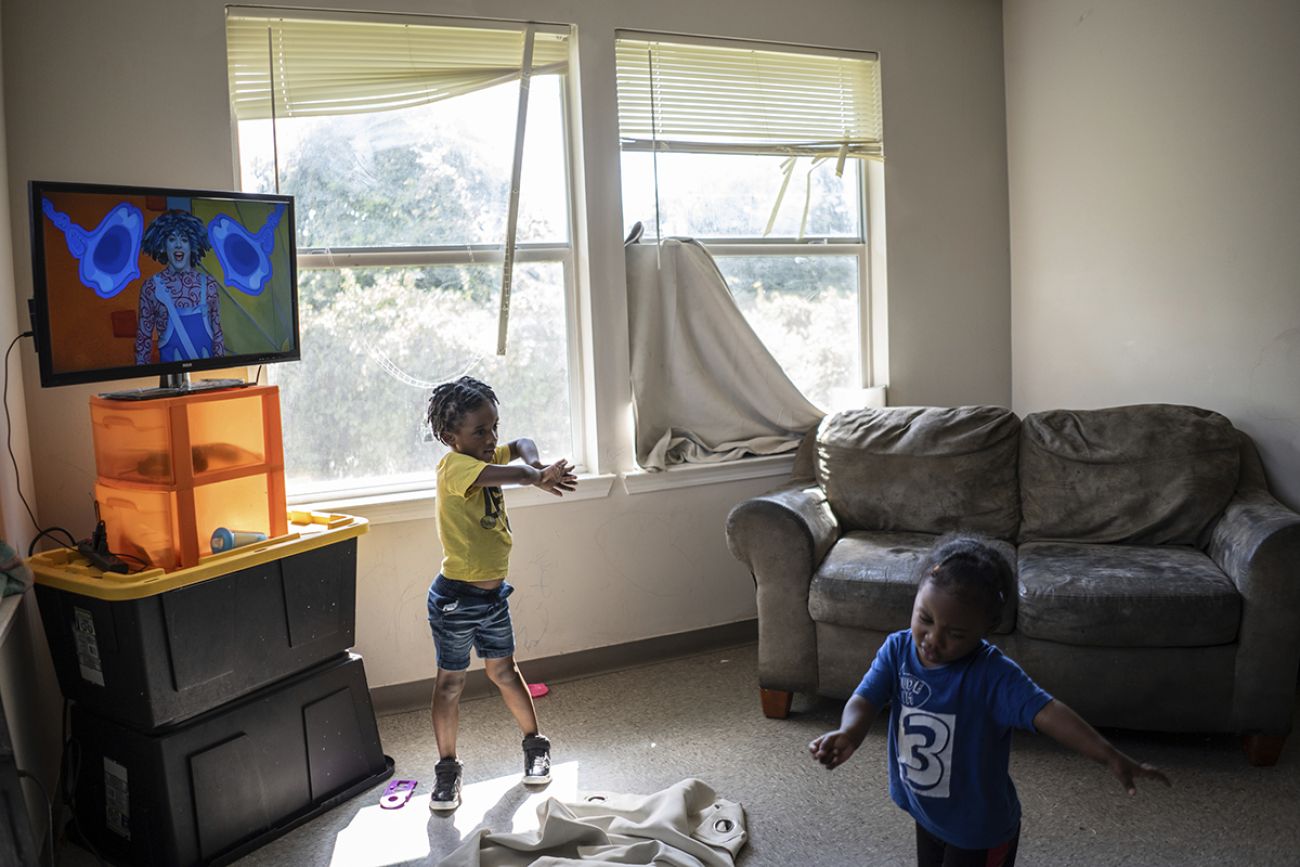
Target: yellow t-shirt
(470, 551)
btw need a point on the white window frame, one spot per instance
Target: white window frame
(412, 498)
(872, 344)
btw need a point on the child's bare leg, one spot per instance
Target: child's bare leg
(505, 674)
(446, 710)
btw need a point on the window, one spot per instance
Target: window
(397, 138)
(759, 153)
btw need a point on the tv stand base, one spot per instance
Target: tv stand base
(180, 390)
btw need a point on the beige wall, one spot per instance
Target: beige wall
(134, 91)
(1155, 210)
(30, 706)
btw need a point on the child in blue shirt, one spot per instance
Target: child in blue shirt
(954, 700)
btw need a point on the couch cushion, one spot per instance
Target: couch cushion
(922, 469)
(1125, 596)
(868, 580)
(1153, 474)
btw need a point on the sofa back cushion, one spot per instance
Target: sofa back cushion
(1152, 474)
(922, 469)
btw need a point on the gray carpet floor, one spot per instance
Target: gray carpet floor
(642, 729)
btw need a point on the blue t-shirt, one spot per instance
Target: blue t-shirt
(950, 738)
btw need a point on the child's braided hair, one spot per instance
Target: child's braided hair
(971, 569)
(450, 401)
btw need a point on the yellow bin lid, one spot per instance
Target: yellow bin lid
(66, 569)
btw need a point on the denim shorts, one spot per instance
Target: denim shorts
(461, 613)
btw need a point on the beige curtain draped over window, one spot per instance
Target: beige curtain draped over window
(682, 96)
(320, 68)
(704, 387)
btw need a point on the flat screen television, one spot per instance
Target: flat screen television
(143, 281)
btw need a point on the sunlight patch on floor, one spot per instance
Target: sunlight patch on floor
(377, 837)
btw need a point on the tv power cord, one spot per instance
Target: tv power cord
(17, 476)
(95, 549)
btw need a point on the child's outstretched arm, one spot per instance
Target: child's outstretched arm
(834, 748)
(1057, 720)
(525, 450)
(555, 478)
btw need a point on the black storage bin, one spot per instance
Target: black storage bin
(211, 789)
(156, 648)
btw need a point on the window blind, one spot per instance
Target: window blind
(683, 96)
(320, 68)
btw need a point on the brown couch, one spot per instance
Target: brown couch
(1159, 581)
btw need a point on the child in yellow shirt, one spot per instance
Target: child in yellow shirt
(467, 601)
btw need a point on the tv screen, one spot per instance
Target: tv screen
(143, 281)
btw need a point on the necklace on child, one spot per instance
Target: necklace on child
(491, 509)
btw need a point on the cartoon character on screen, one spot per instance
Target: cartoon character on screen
(180, 303)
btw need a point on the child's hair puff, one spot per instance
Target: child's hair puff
(970, 568)
(451, 401)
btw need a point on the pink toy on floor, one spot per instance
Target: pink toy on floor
(537, 690)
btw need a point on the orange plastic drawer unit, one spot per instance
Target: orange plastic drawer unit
(173, 470)
(171, 527)
(182, 440)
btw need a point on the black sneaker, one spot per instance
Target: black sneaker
(537, 760)
(446, 786)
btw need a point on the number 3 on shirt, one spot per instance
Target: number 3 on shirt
(925, 750)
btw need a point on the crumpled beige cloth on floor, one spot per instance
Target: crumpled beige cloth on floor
(684, 825)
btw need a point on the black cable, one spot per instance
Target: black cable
(9, 430)
(49, 531)
(72, 766)
(69, 774)
(49, 807)
(9, 444)
(65, 725)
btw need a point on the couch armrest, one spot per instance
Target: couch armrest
(782, 536)
(1257, 543)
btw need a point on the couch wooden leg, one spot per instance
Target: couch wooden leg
(776, 703)
(1263, 751)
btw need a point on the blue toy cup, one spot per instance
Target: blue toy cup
(224, 540)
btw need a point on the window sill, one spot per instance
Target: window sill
(689, 475)
(390, 507)
(393, 507)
